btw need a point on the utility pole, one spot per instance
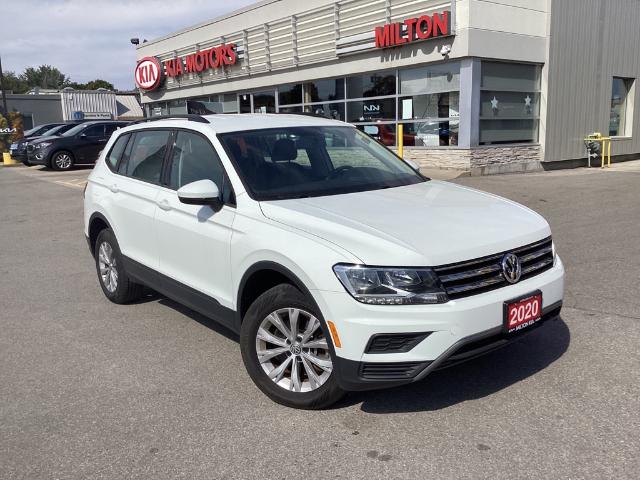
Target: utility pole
(4, 96)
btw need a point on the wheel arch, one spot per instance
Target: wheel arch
(97, 223)
(260, 277)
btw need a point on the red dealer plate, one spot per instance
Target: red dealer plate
(522, 312)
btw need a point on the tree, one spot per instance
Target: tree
(99, 83)
(13, 83)
(45, 76)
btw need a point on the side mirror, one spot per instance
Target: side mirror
(413, 165)
(202, 192)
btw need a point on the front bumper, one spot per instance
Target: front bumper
(453, 330)
(39, 157)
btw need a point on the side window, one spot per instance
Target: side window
(194, 158)
(94, 131)
(110, 128)
(145, 155)
(117, 150)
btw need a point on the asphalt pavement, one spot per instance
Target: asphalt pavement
(92, 390)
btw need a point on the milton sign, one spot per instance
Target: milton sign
(150, 73)
(413, 29)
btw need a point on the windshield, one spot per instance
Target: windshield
(39, 130)
(298, 162)
(75, 130)
(59, 130)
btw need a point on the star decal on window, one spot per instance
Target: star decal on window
(494, 103)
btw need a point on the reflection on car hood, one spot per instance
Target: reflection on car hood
(426, 224)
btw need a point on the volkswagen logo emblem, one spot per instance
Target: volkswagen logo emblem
(511, 268)
(296, 349)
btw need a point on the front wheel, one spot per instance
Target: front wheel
(62, 161)
(286, 350)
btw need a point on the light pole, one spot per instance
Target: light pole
(4, 97)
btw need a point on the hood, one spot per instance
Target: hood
(426, 224)
(50, 138)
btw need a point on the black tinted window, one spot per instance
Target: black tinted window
(117, 150)
(94, 131)
(194, 159)
(110, 128)
(144, 161)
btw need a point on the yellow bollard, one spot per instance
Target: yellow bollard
(400, 137)
(6, 157)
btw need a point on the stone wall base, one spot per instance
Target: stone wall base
(479, 160)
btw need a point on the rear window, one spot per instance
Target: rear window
(117, 150)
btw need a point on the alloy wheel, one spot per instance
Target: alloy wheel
(107, 265)
(293, 351)
(63, 161)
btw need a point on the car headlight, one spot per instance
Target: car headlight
(42, 145)
(391, 286)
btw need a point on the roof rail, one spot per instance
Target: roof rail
(185, 116)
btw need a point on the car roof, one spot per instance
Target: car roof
(235, 122)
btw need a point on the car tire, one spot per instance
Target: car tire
(62, 160)
(113, 278)
(316, 386)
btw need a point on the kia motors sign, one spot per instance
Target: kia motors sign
(148, 74)
(413, 29)
(201, 60)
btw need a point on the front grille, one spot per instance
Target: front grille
(484, 274)
(391, 371)
(394, 342)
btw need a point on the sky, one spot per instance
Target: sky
(89, 39)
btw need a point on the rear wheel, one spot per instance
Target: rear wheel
(286, 350)
(115, 283)
(62, 160)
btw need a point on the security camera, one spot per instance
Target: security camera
(135, 41)
(445, 50)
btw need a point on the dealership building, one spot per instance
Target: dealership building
(484, 86)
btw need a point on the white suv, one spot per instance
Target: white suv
(339, 265)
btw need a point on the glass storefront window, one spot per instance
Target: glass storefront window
(509, 103)
(430, 79)
(374, 84)
(324, 90)
(177, 107)
(290, 94)
(229, 103)
(432, 133)
(264, 102)
(620, 106)
(508, 131)
(371, 110)
(329, 110)
(515, 77)
(295, 109)
(204, 105)
(437, 105)
(385, 133)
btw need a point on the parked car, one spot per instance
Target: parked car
(79, 145)
(22, 145)
(18, 149)
(340, 266)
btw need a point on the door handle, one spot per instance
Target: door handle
(164, 204)
(114, 188)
